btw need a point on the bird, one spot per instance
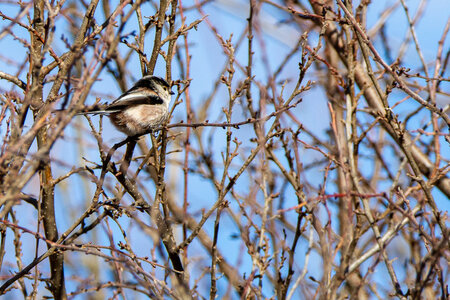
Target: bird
(141, 109)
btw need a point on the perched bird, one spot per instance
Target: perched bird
(142, 108)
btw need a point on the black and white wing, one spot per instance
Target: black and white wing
(134, 96)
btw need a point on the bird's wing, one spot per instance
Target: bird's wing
(134, 97)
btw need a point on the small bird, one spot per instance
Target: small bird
(141, 109)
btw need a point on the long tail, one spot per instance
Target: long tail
(88, 112)
(95, 112)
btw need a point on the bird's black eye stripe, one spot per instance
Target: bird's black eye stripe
(150, 82)
(161, 81)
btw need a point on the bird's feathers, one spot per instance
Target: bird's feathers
(140, 109)
(136, 96)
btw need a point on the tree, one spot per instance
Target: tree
(307, 154)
